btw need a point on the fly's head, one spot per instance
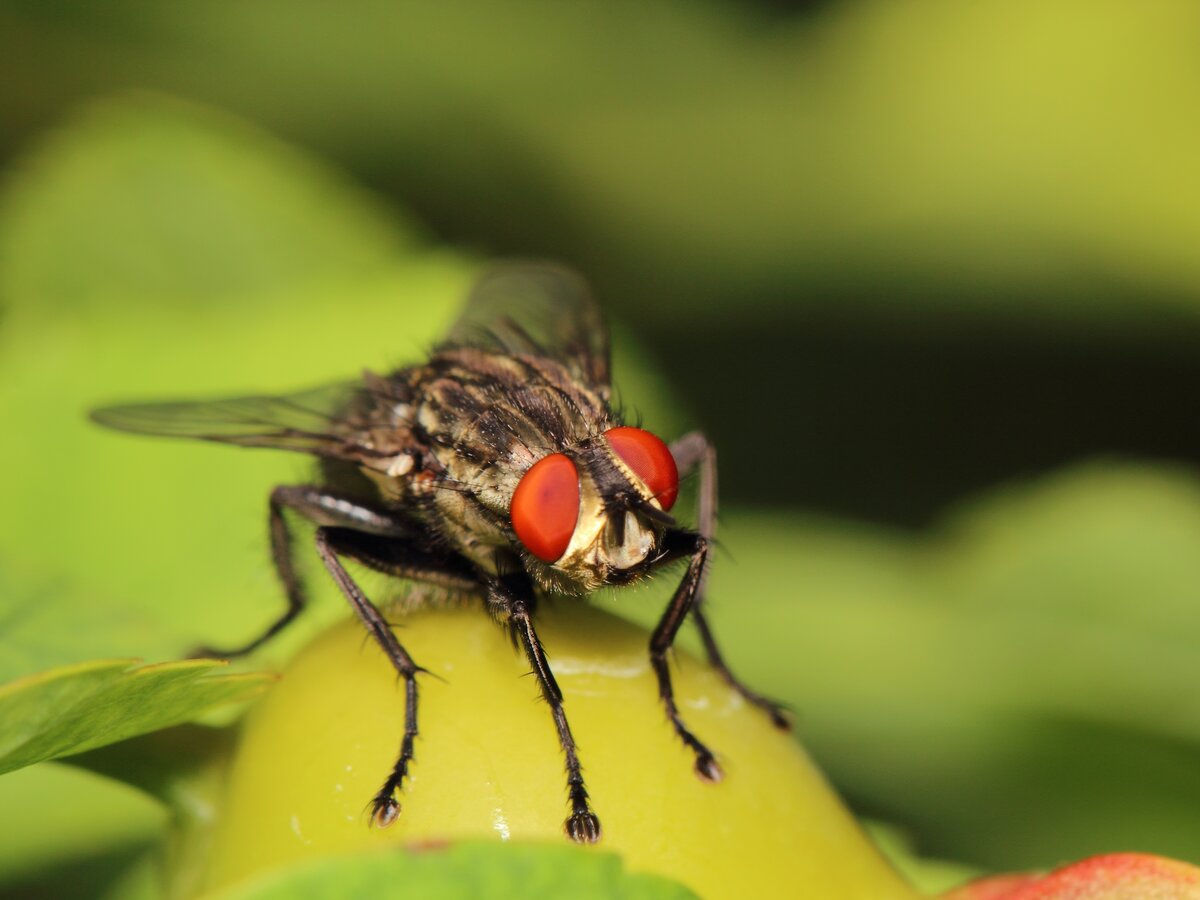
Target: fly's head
(597, 512)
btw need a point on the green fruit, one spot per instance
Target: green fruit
(488, 764)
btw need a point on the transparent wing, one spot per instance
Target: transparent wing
(322, 421)
(537, 309)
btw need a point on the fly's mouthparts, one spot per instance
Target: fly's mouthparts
(627, 541)
(653, 513)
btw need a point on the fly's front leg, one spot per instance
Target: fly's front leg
(681, 543)
(513, 606)
(692, 451)
(320, 507)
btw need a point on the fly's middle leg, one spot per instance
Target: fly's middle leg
(693, 545)
(323, 508)
(333, 543)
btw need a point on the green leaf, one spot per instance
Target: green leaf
(44, 627)
(143, 197)
(463, 872)
(70, 816)
(75, 708)
(929, 876)
(710, 154)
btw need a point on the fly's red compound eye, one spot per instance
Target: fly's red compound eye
(650, 460)
(545, 507)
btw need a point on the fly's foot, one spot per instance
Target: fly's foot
(205, 652)
(707, 768)
(583, 827)
(385, 810)
(781, 717)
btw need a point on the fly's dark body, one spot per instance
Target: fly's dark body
(496, 469)
(453, 438)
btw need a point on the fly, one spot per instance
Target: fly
(496, 469)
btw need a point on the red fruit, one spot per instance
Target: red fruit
(1113, 876)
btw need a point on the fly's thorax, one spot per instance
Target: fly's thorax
(489, 417)
(478, 422)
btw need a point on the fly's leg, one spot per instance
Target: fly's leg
(514, 608)
(335, 542)
(681, 543)
(775, 711)
(692, 451)
(407, 559)
(322, 508)
(382, 542)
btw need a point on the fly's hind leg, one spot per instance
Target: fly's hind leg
(693, 451)
(323, 508)
(511, 603)
(407, 560)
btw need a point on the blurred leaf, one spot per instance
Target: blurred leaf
(44, 628)
(185, 768)
(1014, 690)
(143, 197)
(71, 709)
(868, 158)
(929, 876)
(68, 815)
(89, 876)
(466, 871)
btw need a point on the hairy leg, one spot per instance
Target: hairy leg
(396, 557)
(681, 543)
(323, 508)
(511, 602)
(693, 451)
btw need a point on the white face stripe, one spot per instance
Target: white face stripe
(589, 528)
(591, 549)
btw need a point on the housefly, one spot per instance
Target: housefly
(497, 469)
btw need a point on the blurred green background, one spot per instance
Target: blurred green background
(925, 271)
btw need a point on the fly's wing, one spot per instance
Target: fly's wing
(536, 309)
(323, 421)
